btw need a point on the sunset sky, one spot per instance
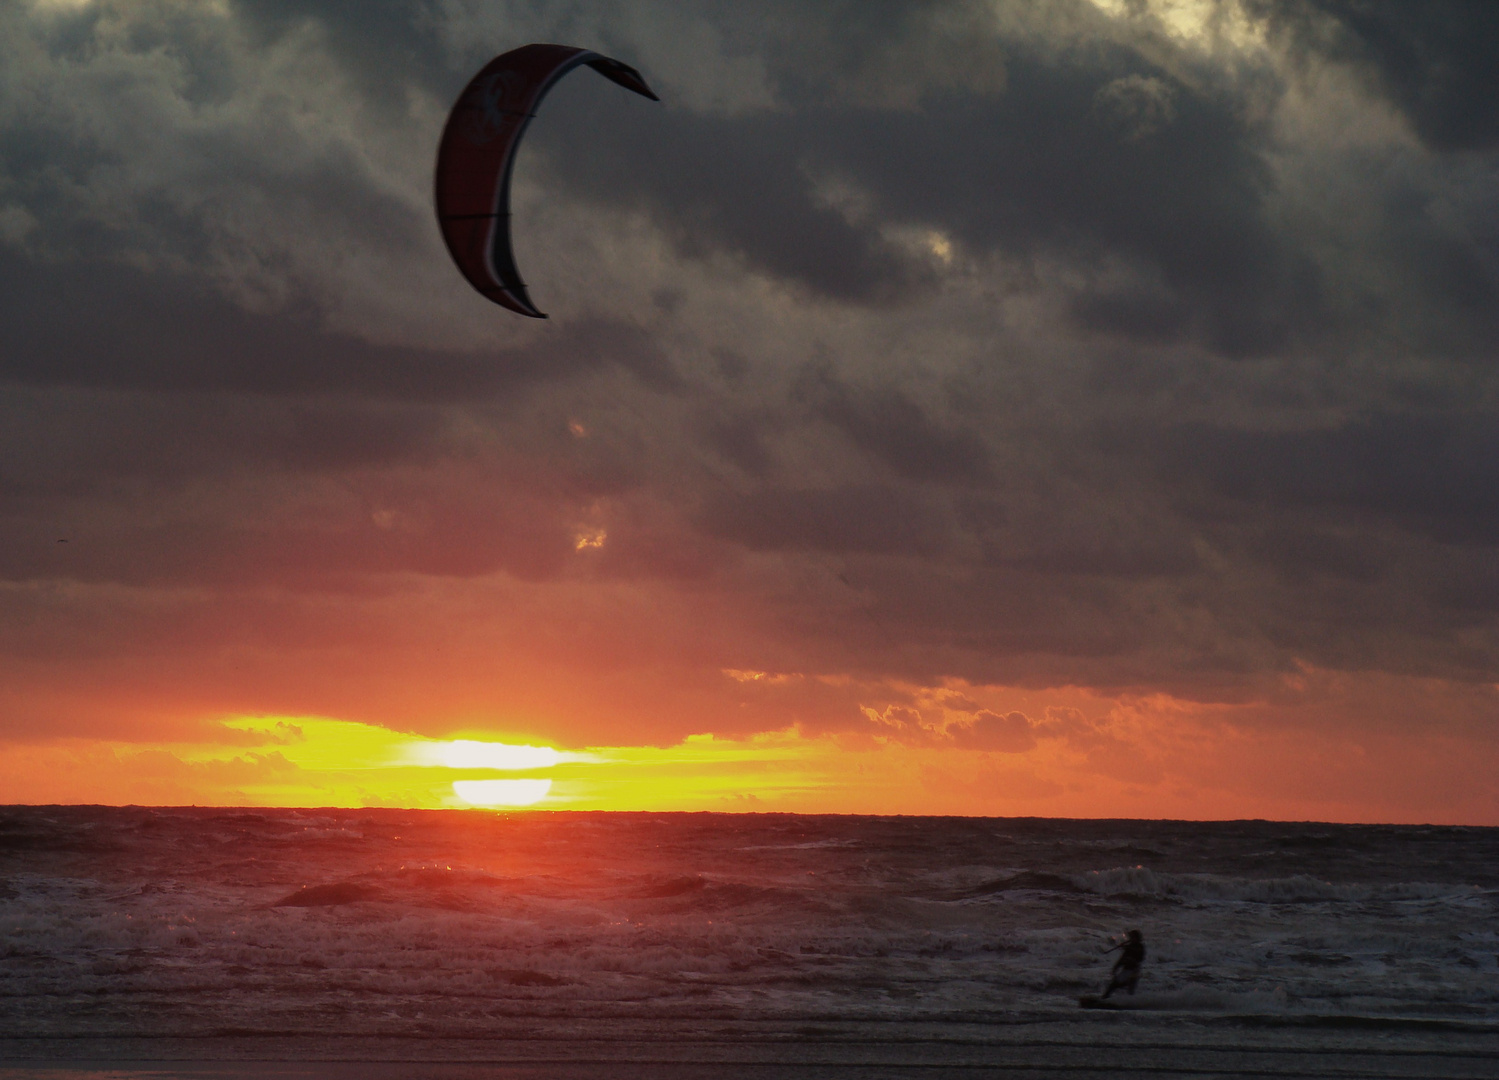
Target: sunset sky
(1081, 408)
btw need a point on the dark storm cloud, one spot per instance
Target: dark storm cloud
(1435, 61)
(1092, 151)
(1307, 553)
(1456, 269)
(720, 184)
(60, 165)
(892, 428)
(844, 519)
(1435, 475)
(741, 440)
(79, 443)
(1090, 155)
(1150, 182)
(1042, 168)
(101, 324)
(131, 532)
(385, 44)
(1160, 556)
(1043, 366)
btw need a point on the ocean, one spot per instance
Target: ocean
(227, 943)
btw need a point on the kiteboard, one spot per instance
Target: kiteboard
(1093, 1001)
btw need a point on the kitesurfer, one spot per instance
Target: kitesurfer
(1126, 971)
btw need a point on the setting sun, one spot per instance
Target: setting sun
(473, 754)
(501, 792)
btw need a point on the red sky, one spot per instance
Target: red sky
(999, 409)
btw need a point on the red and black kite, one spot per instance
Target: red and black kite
(477, 153)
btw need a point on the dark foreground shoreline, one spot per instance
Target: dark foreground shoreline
(1134, 1047)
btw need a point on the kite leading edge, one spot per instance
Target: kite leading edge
(477, 154)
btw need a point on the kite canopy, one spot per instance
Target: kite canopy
(477, 153)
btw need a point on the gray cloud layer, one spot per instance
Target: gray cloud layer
(1030, 342)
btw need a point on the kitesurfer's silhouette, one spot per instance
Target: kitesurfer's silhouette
(1127, 968)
